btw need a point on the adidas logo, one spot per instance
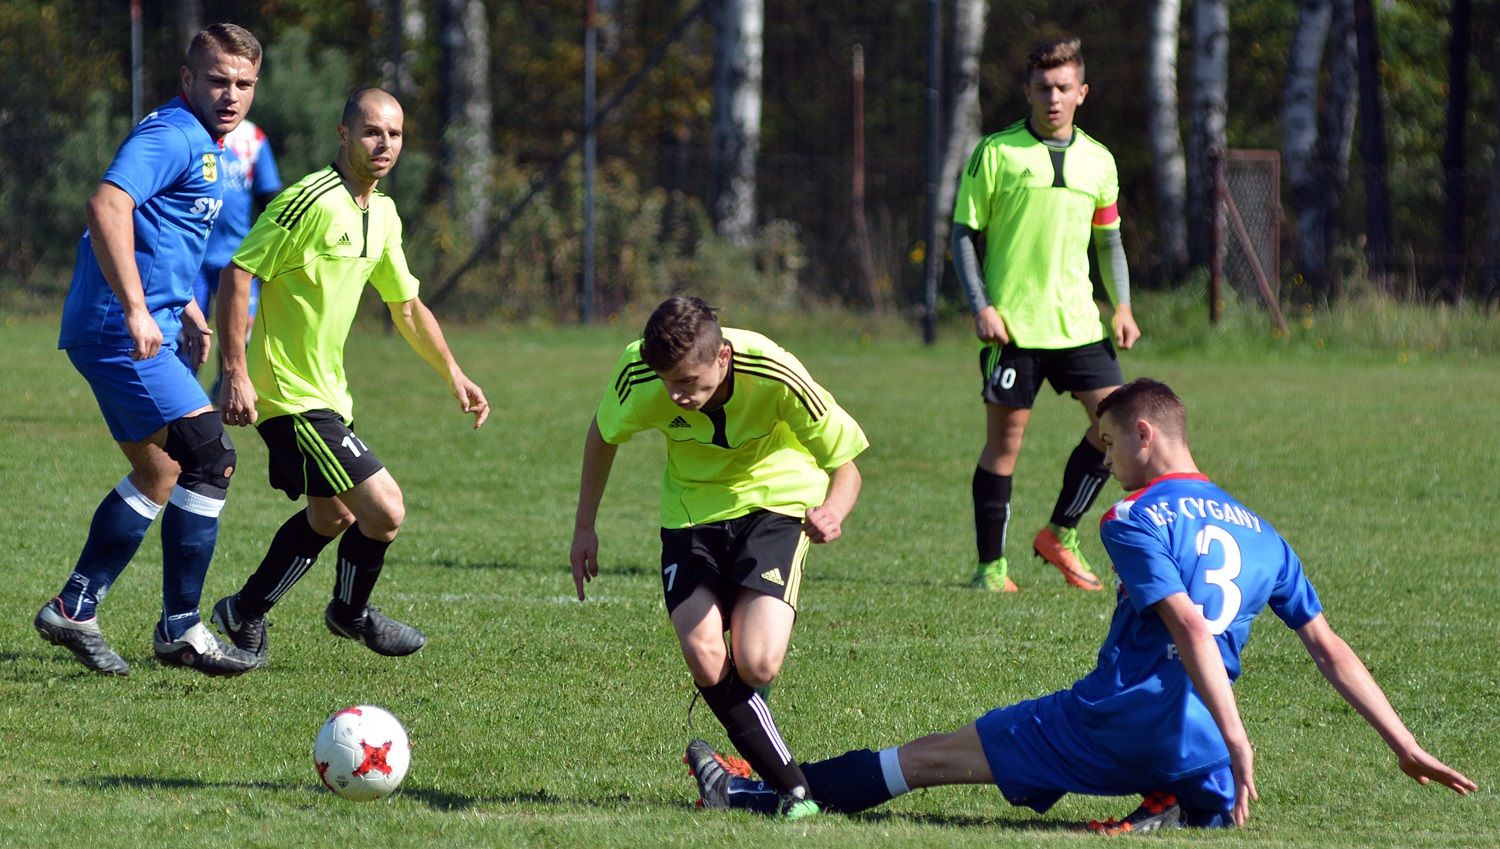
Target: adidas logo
(774, 576)
(679, 422)
(343, 241)
(1026, 175)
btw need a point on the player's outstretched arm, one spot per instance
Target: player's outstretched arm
(598, 459)
(111, 216)
(420, 329)
(236, 394)
(1348, 675)
(1205, 667)
(825, 523)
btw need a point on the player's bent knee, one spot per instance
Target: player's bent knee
(758, 672)
(204, 453)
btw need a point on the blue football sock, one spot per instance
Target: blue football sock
(189, 531)
(119, 525)
(849, 783)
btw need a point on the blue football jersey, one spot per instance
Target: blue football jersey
(249, 172)
(170, 166)
(1181, 533)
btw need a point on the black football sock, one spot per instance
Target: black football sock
(360, 562)
(753, 732)
(1083, 478)
(991, 513)
(293, 551)
(850, 783)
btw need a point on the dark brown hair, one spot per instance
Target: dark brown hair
(1152, 400)
(682, 329)
(1055, 54)
(226, 38)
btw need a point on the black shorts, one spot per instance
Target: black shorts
(315, 453)
(760, 551)
(1013, 376)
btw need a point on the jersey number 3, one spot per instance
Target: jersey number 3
(1222, 576)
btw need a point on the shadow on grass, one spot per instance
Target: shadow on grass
(947, 821)
(438, 800)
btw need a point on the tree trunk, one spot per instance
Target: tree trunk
(737, 103)
(1490, 284)
(963, 115)
(1379, 234)
(1299, 144)
(463, 79)
(1208, 111)
(189, 22)
(1341, 104)
(1451, 285)
(1165, 137)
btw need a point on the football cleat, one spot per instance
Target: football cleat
(994, 576)
(1157, 810)
(200, 649)
(712, 771)
(1060, 548)
(246, 634)
(83, 639)
(382, 634)
(796, 805)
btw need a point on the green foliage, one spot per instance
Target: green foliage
(539, 721)
(650, 243)
(299, 100)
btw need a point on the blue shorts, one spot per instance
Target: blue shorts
(138, 397)
(206, 285)
(1037, 755)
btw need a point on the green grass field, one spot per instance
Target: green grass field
(537, 720)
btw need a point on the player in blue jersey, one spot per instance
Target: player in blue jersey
(250, 178)
(1157, 715)
(131, 295)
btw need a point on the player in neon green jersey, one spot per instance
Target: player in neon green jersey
(1030, 199)
(760, 463)
(314, 249)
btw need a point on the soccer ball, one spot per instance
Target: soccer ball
(362, 753)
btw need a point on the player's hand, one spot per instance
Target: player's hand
(989, 327)
(197, 342)
(237, 400)
(823, 524)
(1242, 764)
(584, 557)
(144, 332)
(1425, 768)
(471, 400)
(1124, 327)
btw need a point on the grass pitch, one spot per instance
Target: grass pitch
(537, 720)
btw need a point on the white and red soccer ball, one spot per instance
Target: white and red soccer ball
(362, 753)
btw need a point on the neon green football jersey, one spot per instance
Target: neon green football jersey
(1036, 206)
(769, 447)
(314, 249)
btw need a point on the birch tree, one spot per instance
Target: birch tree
(1165, 137)
(737, 106)
(1208, 111)
(1336, 134)
(465, 108)
(1299, 140)
(962, 119)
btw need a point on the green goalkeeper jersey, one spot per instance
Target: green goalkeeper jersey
(1036, 206)
(314, 249)
(768, 447)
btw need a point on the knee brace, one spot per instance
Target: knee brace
(204, 452)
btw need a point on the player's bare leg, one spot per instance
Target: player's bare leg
(378, 510)
(1005, 429)
(1084, 477)
(743, 713)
